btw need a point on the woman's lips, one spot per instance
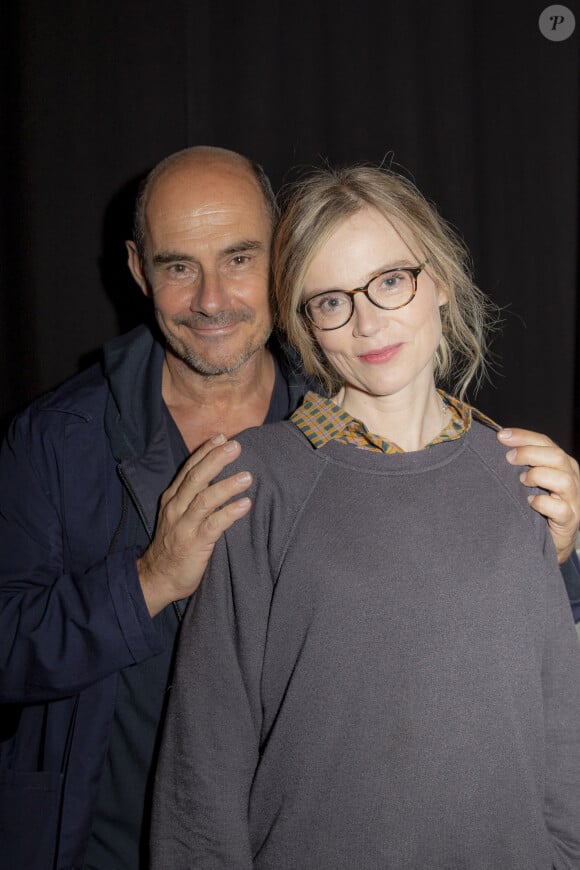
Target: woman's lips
(383, 355)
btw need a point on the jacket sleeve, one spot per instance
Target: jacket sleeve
(561, 686)
(571, 574)
(69, 615)
(210, 745)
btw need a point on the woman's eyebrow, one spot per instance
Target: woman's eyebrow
(401, 263)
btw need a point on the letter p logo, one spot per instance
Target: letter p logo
(557, 23)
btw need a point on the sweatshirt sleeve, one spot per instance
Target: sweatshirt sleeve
(561, 686)
(211, 738)
(66, 620)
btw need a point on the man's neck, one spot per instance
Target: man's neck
(204, 405)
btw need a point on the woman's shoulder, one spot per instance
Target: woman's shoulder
(276, 438)
(277, 451)
(491, 453)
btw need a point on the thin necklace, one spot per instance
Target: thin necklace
(445, 410)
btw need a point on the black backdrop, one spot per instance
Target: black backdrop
(469, 97)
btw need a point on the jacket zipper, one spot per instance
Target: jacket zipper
(143, 519)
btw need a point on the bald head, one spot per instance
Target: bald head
(192, 163)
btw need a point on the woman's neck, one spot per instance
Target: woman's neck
(411, 418)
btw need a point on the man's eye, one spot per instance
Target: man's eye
(240, 259)
(178, 271)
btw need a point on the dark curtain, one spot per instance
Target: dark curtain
(470, 98)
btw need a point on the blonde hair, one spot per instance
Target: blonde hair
(314, 207)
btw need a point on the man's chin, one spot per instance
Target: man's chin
(211, 365)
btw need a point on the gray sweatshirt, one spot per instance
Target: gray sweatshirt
(380, 670)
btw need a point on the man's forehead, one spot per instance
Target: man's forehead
(209, 199)
(212, 210)
(205, 183)
(201, 220)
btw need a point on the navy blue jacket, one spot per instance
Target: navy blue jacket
(72, 613)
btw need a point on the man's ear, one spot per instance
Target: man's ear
(136, 268)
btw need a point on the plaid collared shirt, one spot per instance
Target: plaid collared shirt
(323, 421)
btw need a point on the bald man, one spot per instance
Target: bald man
(108, 515)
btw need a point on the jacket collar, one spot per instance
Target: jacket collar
(134, 418)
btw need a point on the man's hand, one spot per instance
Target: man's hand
(552, 470)
(191, 519)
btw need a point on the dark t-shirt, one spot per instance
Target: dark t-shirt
(120, 835)
(119, 839)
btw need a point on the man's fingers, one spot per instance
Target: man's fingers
(214, 497)
(547, 457)
(557, 482)
(522, 437)
(553, 509)
(220, 520)
(551, 469)
(194, 513)
(206, 463)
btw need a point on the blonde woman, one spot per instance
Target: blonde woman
(380, 669)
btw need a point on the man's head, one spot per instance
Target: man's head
(203, 227)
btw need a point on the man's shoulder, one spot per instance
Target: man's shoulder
(40, 432)
(80, 395)
(84, 395)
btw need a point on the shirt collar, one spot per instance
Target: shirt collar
(321, 421)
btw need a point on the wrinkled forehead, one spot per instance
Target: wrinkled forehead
(212, 198)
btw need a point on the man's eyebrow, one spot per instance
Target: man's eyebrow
(164, 257)
(241, 247)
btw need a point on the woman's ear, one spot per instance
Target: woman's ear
(442, 296)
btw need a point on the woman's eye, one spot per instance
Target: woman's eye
(331, 303)
(392, 282)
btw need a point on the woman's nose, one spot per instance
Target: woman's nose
(367, 318)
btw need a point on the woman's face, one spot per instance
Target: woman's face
(381, 353)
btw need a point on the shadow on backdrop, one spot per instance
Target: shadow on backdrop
(131, 306)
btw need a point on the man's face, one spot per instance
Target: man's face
(206, 265)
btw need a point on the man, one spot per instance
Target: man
(103, 541)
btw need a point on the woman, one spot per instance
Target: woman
(380, 670)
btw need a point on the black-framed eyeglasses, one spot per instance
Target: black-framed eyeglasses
(389, 290)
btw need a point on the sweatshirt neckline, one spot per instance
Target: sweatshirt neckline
(414, 462)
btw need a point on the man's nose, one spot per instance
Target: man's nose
(209, 296)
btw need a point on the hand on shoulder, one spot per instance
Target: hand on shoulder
(552, 469)
(193, 515)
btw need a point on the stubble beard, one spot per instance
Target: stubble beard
(229, 363)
